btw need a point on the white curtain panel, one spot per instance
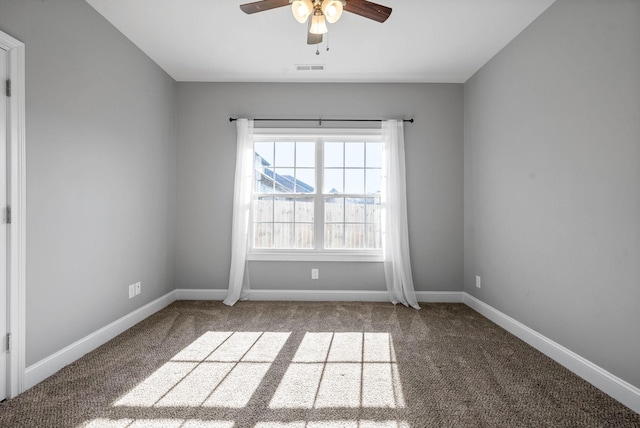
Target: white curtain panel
(397, 262)
(238, 275)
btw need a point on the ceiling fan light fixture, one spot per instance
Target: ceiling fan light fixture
(321, 12)
(318, 24)
(332, 10)
(301, 10)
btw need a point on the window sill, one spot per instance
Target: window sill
(316, 256)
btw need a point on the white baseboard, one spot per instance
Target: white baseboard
(195, 294)
(439, 296)
(46, 367)
(617, 388)
(320, 295)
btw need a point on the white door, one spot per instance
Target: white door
(4, 312)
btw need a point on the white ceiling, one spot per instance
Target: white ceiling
(422, 41)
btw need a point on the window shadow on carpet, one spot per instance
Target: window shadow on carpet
(285, 379)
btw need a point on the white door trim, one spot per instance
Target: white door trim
(17, 199)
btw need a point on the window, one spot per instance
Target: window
(317, 195)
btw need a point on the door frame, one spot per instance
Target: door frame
(16, 263)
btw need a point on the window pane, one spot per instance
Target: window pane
(263, 209)
(283, 209)
(355, 210)
(333, 236)
(373, 236)
(333, 181)
(374, 155)
(354, 236)
(306, 154)
(373, 210)
(333, 154)
(285, 154)
(304, 235)
(334, 210)
(304, 210)
(283, 235)
(263, 171)
(305, 180)
(354, 181)
(373, 181)
(264, 150)
(354, 155)
(284, 180)
(288, 169)
(263, 235)
(264, 181)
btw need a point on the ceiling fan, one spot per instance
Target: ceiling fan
(321, 12)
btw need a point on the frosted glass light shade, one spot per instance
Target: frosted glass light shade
(301, 10)
(332, 10)
(318, 25)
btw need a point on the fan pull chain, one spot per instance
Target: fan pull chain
(327, 42)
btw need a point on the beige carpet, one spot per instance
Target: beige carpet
(315, 365)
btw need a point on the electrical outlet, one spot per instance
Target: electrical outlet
(132, 290)
(478, 281)
(315, 274)
(138, 287)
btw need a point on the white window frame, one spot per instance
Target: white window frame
(319, 136)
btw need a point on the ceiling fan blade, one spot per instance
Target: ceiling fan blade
(261, 6)
(367, 9)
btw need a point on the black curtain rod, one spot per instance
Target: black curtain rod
(233, 119)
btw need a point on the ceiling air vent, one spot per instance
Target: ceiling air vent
(310, 67)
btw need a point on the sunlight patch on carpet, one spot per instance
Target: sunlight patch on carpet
(329, 372)
(341, 370)
(156, 423)
(334, 424)
(219, 369)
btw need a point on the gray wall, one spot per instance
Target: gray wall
(101, 142)
(206, 162)
(552, 168)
